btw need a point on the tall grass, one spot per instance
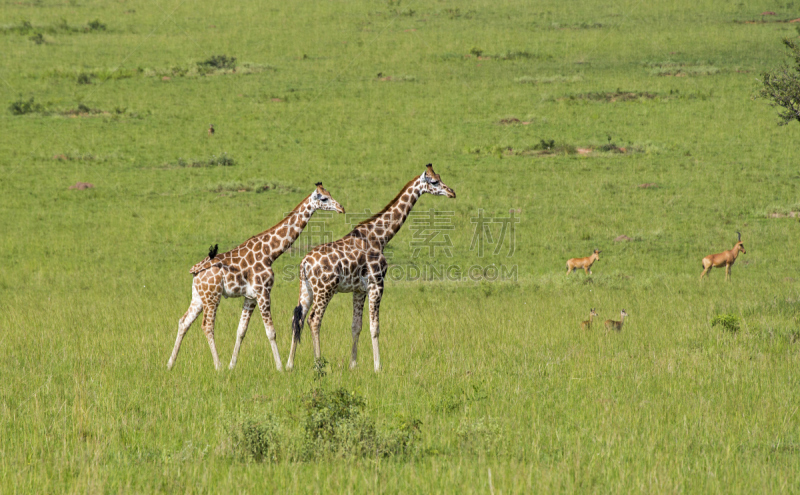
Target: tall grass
(479, 373)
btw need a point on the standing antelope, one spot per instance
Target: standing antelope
(616, 325)
(585, 263)
(587, 324)
(725, 258)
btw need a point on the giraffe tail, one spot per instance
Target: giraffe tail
(297, 322)
(297, 319)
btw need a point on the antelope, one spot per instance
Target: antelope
(587, 324)
(616, 325)
(585, 263)
(725, 258)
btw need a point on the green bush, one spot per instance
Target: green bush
(727, 322)
(22, 107)
(254, 441)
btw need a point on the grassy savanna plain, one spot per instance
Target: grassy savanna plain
(512, 396)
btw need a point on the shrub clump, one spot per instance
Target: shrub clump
(22, 107)
(782, 86)
(254, 441)
(550, 147)
(336, 425)
(222, 160)
(727, 322)
(218, 62)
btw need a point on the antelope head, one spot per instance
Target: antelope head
(739, 246)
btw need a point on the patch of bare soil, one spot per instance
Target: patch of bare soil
(791, 214)
(648, 185)
(583, 151)
(622, 238)
(81, 186)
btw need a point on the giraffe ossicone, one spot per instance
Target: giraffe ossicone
(355, 263)
(245, 271)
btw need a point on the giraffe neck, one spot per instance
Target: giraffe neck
(279, 238)
(380, 229)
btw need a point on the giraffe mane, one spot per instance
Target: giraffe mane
(283, 220)
(391, 203)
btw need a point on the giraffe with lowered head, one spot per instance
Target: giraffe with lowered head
(355, 263)
(245, 271)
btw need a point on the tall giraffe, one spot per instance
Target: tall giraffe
(355, 263)
(245, 272)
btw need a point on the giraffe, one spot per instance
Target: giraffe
(245, 272)
(355, 263)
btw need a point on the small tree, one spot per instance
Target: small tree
(782, 86)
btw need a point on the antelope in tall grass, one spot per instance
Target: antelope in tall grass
(585, 263)
(725, 258)
(587, 324)
(616, 325)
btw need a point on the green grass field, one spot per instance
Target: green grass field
(488, 384)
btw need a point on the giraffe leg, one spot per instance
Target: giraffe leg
(266, 315)
(358, 311)
(304, 304)
(209, 317)
(375, 295)
(247, 311)
(195, 308)
(315, 320)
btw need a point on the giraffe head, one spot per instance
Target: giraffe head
(321, 199)
(433, 184)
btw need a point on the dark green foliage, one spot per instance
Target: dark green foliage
(336, 425)
(545, 145)
(614, 96)
(782, 86)
(327, 412)
(25, 27)
(550, 147)
(84, 78)
(22, 107)
(96, 25)
(254, 441)
(222, 160)
(727, 322)
(218, 62)
(319, 368)
(37, 38)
